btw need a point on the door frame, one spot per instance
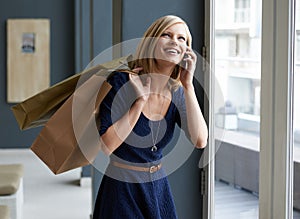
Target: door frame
(276, 137)
(276, 150)
(209, 83)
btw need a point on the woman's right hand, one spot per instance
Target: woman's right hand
(142, 89)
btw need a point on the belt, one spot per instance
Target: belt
(151, 169)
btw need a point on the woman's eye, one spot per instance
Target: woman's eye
(165, 35)
(182, 38)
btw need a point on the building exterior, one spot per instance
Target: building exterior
(238, 55)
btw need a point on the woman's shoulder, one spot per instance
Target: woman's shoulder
(118, 78)
(178, 93)
(118, 75)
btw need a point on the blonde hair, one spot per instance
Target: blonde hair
(144, 56)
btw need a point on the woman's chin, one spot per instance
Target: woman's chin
(169, 61)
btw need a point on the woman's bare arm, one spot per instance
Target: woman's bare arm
(119, 131)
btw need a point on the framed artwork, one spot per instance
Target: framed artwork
(28, 58)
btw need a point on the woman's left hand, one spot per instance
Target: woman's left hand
(187, 74)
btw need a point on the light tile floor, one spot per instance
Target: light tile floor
(234, 203)
(49, 196)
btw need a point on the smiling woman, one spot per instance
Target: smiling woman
(163, 30)
(171, 46)
(138, 118)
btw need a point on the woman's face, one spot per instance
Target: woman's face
(171, 45)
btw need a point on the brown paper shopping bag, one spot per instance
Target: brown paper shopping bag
(70, 138)
(36, 110)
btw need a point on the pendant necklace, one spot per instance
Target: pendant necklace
(154, 147)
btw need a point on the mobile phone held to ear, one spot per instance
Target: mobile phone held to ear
(183, 62)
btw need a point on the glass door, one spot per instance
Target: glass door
(250, 57)
(237, 71)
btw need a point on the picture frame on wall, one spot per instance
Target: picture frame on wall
(28, 58)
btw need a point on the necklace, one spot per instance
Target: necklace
(154, 147)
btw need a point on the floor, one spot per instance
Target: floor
(236, 203)
(49, 196)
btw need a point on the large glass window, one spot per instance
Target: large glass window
(237, 57)
(242, 11)
(236, 63)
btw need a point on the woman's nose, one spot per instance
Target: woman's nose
(173, 42)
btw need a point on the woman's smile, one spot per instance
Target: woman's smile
(172, 51)
(171, 45)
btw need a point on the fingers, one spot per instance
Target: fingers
(131, 77)
(138, 83)
(190, 55)
(134, 78)
(148, 82)
(141, 87)
(137, 69)
(190, 60)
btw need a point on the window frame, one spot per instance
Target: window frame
(276, 126)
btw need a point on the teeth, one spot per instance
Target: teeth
(172, 51)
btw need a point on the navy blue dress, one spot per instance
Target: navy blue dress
(130, 194)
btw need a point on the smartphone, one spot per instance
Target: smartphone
(184, 63)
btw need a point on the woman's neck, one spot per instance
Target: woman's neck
(159, 83)
(160, 75)
(164, 69)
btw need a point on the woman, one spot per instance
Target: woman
(138, 117)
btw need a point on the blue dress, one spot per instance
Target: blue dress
(130, 194)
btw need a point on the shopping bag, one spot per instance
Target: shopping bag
(70, 138)
(36, 110)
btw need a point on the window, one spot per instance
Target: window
(237, 69)
(235, 59)
(242, 11)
